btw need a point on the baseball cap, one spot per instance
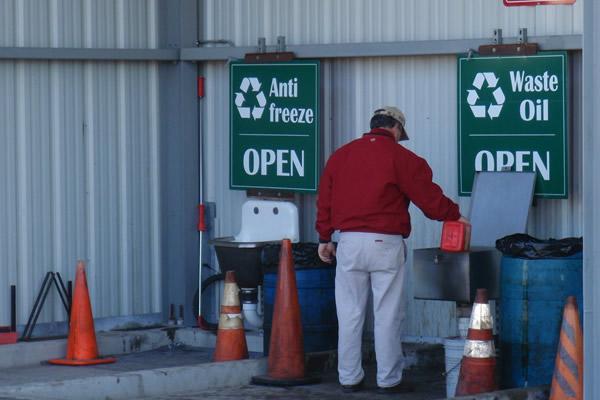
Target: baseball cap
(396, 114)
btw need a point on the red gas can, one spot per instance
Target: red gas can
(456, 236)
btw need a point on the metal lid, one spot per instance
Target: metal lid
(499, 205)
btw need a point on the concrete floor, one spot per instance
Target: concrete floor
(182, 371)
(159, 364)
(430, 385)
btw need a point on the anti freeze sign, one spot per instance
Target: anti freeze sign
(274, 125)
(512, 115)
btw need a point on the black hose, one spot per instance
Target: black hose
(212, 326)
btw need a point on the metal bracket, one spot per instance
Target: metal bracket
(262, 45)
(523, 35)
(280, 44)
(497, 36)
(270, 194)
(263, 56)
(522, 48)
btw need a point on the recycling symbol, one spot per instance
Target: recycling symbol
(492, 110)
(250, 87)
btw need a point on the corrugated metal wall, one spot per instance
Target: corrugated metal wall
(79, 156)
(79, 140)
(424, 87)
(343, 21)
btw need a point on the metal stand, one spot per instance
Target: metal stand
(65, 294)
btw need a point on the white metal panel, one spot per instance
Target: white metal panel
(215, 128)
(79, 176)
(78, 23)
(562, 218)
(346, 21)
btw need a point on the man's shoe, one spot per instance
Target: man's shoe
(402, 387)
(354, 388)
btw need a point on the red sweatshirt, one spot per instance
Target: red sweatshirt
(368, 184)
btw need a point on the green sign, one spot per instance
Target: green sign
(512, 115)
(274, 125)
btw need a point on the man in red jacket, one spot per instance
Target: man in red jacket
(364, 192)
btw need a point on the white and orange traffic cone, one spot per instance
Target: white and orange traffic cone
(477, 370)
(231, 339)
(567, 382)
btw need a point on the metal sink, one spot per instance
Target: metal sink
(242, 257)
(263, 222)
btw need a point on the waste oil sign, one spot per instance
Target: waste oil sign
(512, 115)
(274, 125)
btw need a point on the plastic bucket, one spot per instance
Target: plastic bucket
(463, 326)
(316, 295)
(532, 297)
(453, 351)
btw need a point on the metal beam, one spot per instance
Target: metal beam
(335, 50)
(382, 49)
(80, 54)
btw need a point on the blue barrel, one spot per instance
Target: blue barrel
(532, 297)
(316, 295)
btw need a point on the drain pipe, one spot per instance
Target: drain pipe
(253, 317)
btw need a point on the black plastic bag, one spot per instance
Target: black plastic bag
(525, 246)
(305, 255)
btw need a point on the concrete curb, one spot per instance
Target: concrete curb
(533, 393)
(30, 353)
(23, 354)
(156, 382)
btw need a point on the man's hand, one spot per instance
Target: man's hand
(463, 220)
(326, 252)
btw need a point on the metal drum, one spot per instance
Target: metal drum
(316, 295)
(532, 297)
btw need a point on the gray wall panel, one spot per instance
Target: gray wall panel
(81, 172)
(344, 21)
(78, 23)
(80, 155)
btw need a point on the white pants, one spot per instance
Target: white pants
(370, 261)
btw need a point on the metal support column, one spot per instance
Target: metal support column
(591, 199)
(179, 158)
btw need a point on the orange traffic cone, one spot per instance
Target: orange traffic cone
(231, 339)
(477, 370)
(81, 345)
(567, 382)
(286, 349)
